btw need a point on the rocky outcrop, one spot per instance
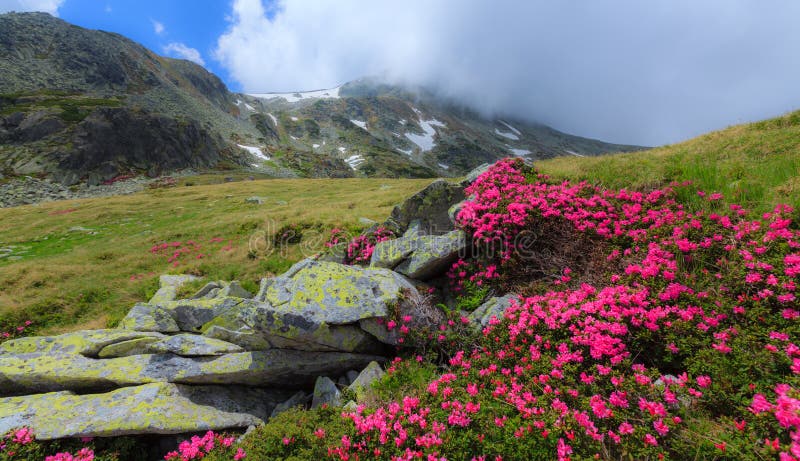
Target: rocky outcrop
(36, 373)
(429, 208)
(312, 327)
(420, 257)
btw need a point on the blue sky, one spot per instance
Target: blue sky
(158, 23)
(645, 72)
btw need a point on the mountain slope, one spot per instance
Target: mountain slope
(85, 105)
(374, 127)
(82, 104)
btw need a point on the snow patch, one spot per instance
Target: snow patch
(516, 131)
(255, 151)
(315, 146)
(342, 149)
(359, 123)
(274, 120)
(293, 137)
(574, 153)
(425, 141)
(444, 167)
(294, 119)
(520, 152)
(249, 107)
(407, 152)
(300, 95)
(507, 135)
(354, 161)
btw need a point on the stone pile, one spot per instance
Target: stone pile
(227, 358)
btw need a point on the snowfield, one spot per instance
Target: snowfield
(255, 151)
(354, 161)
(425, 141)
(300, 95)
(360, 124)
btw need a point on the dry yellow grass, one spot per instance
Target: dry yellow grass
(77, 257)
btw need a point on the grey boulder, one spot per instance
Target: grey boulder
(158, 408)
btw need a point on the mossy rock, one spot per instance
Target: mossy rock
(158, 408)
(321, 291)
(84, 342)
(36, 373)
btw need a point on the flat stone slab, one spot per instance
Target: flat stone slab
(190, 345)
(260, 326)
(45, 372)
(159, 408)
(84, 342)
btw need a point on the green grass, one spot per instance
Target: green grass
(756, 165)
(72, 261)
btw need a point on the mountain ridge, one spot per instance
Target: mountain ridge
(79, 105)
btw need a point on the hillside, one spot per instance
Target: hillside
(756, 165)
(637, 321)
(80, 105)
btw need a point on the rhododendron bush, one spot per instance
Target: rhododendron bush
(648, 332)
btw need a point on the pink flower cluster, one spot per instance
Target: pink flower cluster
(689, 289)
(786, 411)
(359, 250)
(15, 332)
(84, 454)
(198, 447)
(177, 252)
(12, 441)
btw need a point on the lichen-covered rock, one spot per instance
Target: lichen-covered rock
(419, 256)
(169, 285)
(493, 307)
(159, 408)
(126, 348)
(326, 393)
(335, 294)
(235, 290)
(429, 206)
(473, 175)
(390, 253)
(149, 317)
(191, 314)
(373, 372)
(209, 290)
(259, 326)
(84, 342)
(222, 289)
(189, 345)
(47, 372)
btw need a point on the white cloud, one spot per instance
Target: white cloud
(48, 6)
(108, 9)
(179, 50)
(621, 70)
(158, 27)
